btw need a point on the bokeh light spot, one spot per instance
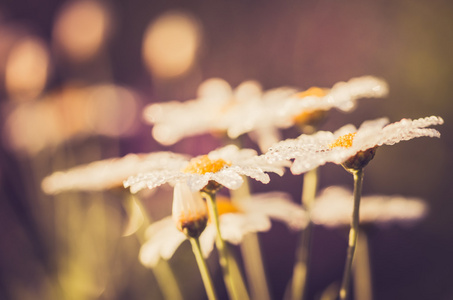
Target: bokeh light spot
(170, 44)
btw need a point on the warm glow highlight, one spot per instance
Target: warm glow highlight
(170, 44)
(27, 69)
(81, 28)
(73, 112)
(113, 110)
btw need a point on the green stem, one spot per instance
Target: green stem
(231, 273)
(251, 251)
(205, 276)
(299, 280)
(253, 263)
(362, 269)
(250, 245)
(353, 234)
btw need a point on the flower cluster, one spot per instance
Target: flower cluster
(236, 220)
(249, 109)
(203, 216)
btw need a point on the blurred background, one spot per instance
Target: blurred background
(75, 75)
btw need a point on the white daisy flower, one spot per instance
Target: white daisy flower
(284, 107)
(333, 208)
(236, 220)
(343, 96)
(223, 166)
(263, 115)
(175, 120)
(349, 146)
(256, 116)
(108, 173)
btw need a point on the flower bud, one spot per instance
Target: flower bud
(189, 210)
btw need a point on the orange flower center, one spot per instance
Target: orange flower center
(344, 141)
(313, 91)
(190, 216)
(308, 116)
(224, 205)
(203, 164)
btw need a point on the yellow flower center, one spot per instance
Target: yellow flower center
(203, 164)
(344, 141)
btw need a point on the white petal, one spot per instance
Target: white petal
(109, 173)
(265, 137)
(333, 207)
(247, 90)
(229, 178)
(173, 243)
(197, 181)
(407, 129)
(187, 203)
(226, 153)
(234, 226)
(152, 180)
(215, 89)
(207, 240)
(163, 240)
(278, 206)
(252, 172)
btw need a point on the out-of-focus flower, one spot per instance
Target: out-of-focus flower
(333, 207)
(342, 95)
(255, 114)
(249, 109)
(236, 220)
(175, 120)
(108, 173)
(349, 146)
(284, 107)
(223, 166)
(74, 112)
(171, 43)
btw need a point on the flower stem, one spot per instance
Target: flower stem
(205, 276)
(231, 273)
(362, 270)
(353, 234)
(299, 280)
(251, 252)
(250, 245)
